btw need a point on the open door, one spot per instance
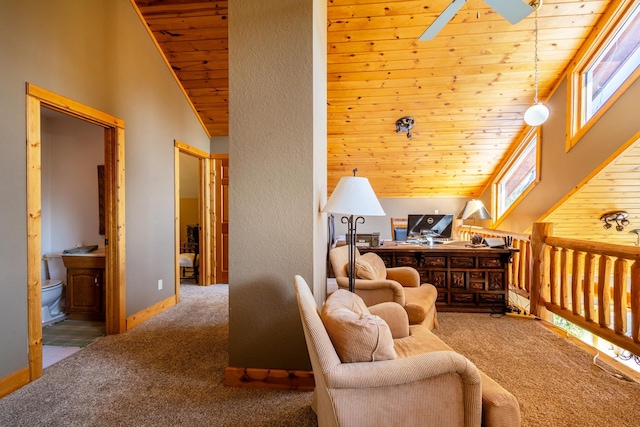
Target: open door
(221, 214)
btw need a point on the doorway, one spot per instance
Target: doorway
(194, 204)
(114, 217)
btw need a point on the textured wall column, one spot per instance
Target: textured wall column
(277, 156)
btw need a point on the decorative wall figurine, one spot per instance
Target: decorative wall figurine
(405, 124)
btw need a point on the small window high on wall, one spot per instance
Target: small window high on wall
(606, 69)
(518, 176)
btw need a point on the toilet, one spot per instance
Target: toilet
(52, 301)
(52, 296)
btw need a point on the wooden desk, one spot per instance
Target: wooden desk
(468, 279)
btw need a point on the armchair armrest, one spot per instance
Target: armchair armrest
(375, 291)
(395, 316)
(386, 392)
(406, 276)
(390, 373)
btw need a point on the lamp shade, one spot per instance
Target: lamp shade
(354, 196)
(474, 209)
(537, 114)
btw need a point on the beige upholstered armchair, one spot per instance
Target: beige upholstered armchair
(375, 283)
(363, 378)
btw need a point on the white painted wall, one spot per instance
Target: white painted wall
(72, 149)
(98, 53)
(562, 171)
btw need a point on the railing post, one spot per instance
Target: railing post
(635, 301)
(539, 285)
(588, 286)
(620, 296)
(564, 279)
(604, 291)
(554, 284)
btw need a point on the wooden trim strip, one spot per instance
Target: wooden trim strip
(176, 219)
(269, 378)
(70, 107)
(34, 242)
(149, 312)
(13, 382)
(191, 150)
(115, 280)
(204, 207)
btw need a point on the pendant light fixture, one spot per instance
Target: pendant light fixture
(538, 113)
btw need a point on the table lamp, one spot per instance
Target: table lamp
(474, 209)
(353, 198)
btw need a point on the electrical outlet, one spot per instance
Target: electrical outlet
(159, 284)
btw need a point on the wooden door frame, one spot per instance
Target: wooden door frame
(216, 203)
(115, 273)
(204, 206)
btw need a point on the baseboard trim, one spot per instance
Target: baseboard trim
(14, 381)
(146, 314)
(269, 378)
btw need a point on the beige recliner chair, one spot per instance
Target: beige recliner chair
(361, 381)
(375, 283)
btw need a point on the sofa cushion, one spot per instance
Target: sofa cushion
(499, 407)
(356, 334)
(395, 316)
(371, 267)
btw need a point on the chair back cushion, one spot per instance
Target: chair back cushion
(339, 257)
(371, 267)
(356, 334)
(186, 260)
(400, 234)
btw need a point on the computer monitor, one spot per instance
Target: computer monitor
(436, 226)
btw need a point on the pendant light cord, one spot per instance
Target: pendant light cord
(535, 98)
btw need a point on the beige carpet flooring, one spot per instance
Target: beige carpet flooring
(554, 380)
(169, 371)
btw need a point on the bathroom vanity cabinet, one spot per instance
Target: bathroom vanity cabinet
(85, 287)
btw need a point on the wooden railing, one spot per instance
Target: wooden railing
(518, 271)
(595, 286)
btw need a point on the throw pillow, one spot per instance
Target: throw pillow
(356, 334)
(371, 267)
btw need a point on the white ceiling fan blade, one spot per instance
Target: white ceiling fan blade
(513, 11)
(442, 20)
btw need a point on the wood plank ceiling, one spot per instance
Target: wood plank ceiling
(193, 37)
(467, 89)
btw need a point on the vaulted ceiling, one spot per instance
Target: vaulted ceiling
(192, 36)
(467, 89)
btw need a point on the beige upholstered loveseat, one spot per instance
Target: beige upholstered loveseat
(371, 368)
(375, 283)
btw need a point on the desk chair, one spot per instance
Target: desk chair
(399, 229)
(189, 260)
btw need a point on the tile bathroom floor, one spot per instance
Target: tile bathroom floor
(52, 354)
